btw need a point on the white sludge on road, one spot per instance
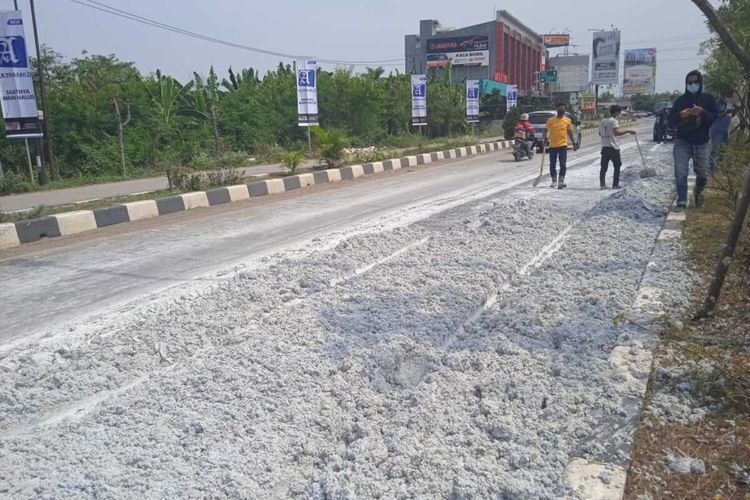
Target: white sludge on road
(463, 355)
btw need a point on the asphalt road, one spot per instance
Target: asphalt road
(71, 278)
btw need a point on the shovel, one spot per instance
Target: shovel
(645, 171)
(541, 167)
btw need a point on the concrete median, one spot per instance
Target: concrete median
(139, 210)
(8, 236)
(75, 222)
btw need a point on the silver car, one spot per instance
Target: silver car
(539, 120)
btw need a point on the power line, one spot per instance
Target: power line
(92, 4)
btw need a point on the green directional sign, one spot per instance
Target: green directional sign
(549, 76)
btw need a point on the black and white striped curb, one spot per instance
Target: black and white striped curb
(27, 231)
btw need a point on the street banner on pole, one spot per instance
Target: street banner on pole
(472, 101)
(606, 58)
(511, 96)
(640, 71)
(307, 93)
(419, 100)
(16, 84)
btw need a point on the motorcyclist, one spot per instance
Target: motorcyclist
(524, 132)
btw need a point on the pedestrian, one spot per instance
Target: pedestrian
(609, 131)
(661, 125)
(560, 129)
(720, 129)
(691, 116)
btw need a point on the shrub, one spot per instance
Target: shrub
(331, 144)
(14, 183)
(291, 160)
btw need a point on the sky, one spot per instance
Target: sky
(349, 30)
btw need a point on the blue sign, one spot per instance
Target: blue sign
(473, 93)
(15, 22)
(306, 78)
(13, 52)
(419, 90)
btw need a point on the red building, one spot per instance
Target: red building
(504, 50)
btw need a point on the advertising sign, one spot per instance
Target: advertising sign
(16, 85)
(472, 101)
(512, 96)
(419, 100)
(606, 58)
(551, 41)
(307, 93)
(640, 71)
(588, 102)
(458, 51)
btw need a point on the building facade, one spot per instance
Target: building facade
(504, 50)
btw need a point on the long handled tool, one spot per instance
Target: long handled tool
(541, 167)
(639, 150)
(645, 171)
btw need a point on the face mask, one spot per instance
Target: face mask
(560, 113)
(693, 88)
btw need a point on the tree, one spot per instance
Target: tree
(734, 11)
(207, 102)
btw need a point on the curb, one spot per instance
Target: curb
(29, 231)
(605, 478)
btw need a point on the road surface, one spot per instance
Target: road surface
(439, 331)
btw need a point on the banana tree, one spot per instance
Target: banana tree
(207, 102)
(166, 98)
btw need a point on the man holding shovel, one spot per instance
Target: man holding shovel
(560, 129)
(609, 131)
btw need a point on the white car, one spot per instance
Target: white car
(539, 120)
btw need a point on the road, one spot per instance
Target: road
(70, 283)
(440, 331)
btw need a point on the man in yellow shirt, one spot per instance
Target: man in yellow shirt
(560, 129)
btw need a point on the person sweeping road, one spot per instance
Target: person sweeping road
(609, 131)
(560, 129)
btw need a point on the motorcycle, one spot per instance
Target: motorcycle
(524, 149)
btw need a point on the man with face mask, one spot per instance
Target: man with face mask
(560, 129)
(692, 115)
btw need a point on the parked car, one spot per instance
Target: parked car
(539, 120)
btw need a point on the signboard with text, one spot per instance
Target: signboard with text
(472, 101)
(307, 93)
(458, 51)
(419, 100)
(556, 40)
(16, 84)
(640, 71)
(605, 58)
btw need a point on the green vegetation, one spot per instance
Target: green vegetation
(109, 121)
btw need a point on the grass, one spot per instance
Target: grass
(721, 439)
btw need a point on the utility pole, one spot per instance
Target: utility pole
(43, 97)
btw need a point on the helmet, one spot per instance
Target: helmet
(525, 116)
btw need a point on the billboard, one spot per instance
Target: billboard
(472, 101)
(511, 96)
(16, 84)
(551, 41)
(640, 71)
(458, 51)
(419, 100)
(588, 102)
(605, 58)
(307, 93)
(572, 73)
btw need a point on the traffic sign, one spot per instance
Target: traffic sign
(549, 76)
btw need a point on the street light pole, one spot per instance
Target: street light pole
(43, 96)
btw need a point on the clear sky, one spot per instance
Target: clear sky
(350, 29)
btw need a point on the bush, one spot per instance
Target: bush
(13, 183)
(331, 144)
(205, 161)
(292, 159)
